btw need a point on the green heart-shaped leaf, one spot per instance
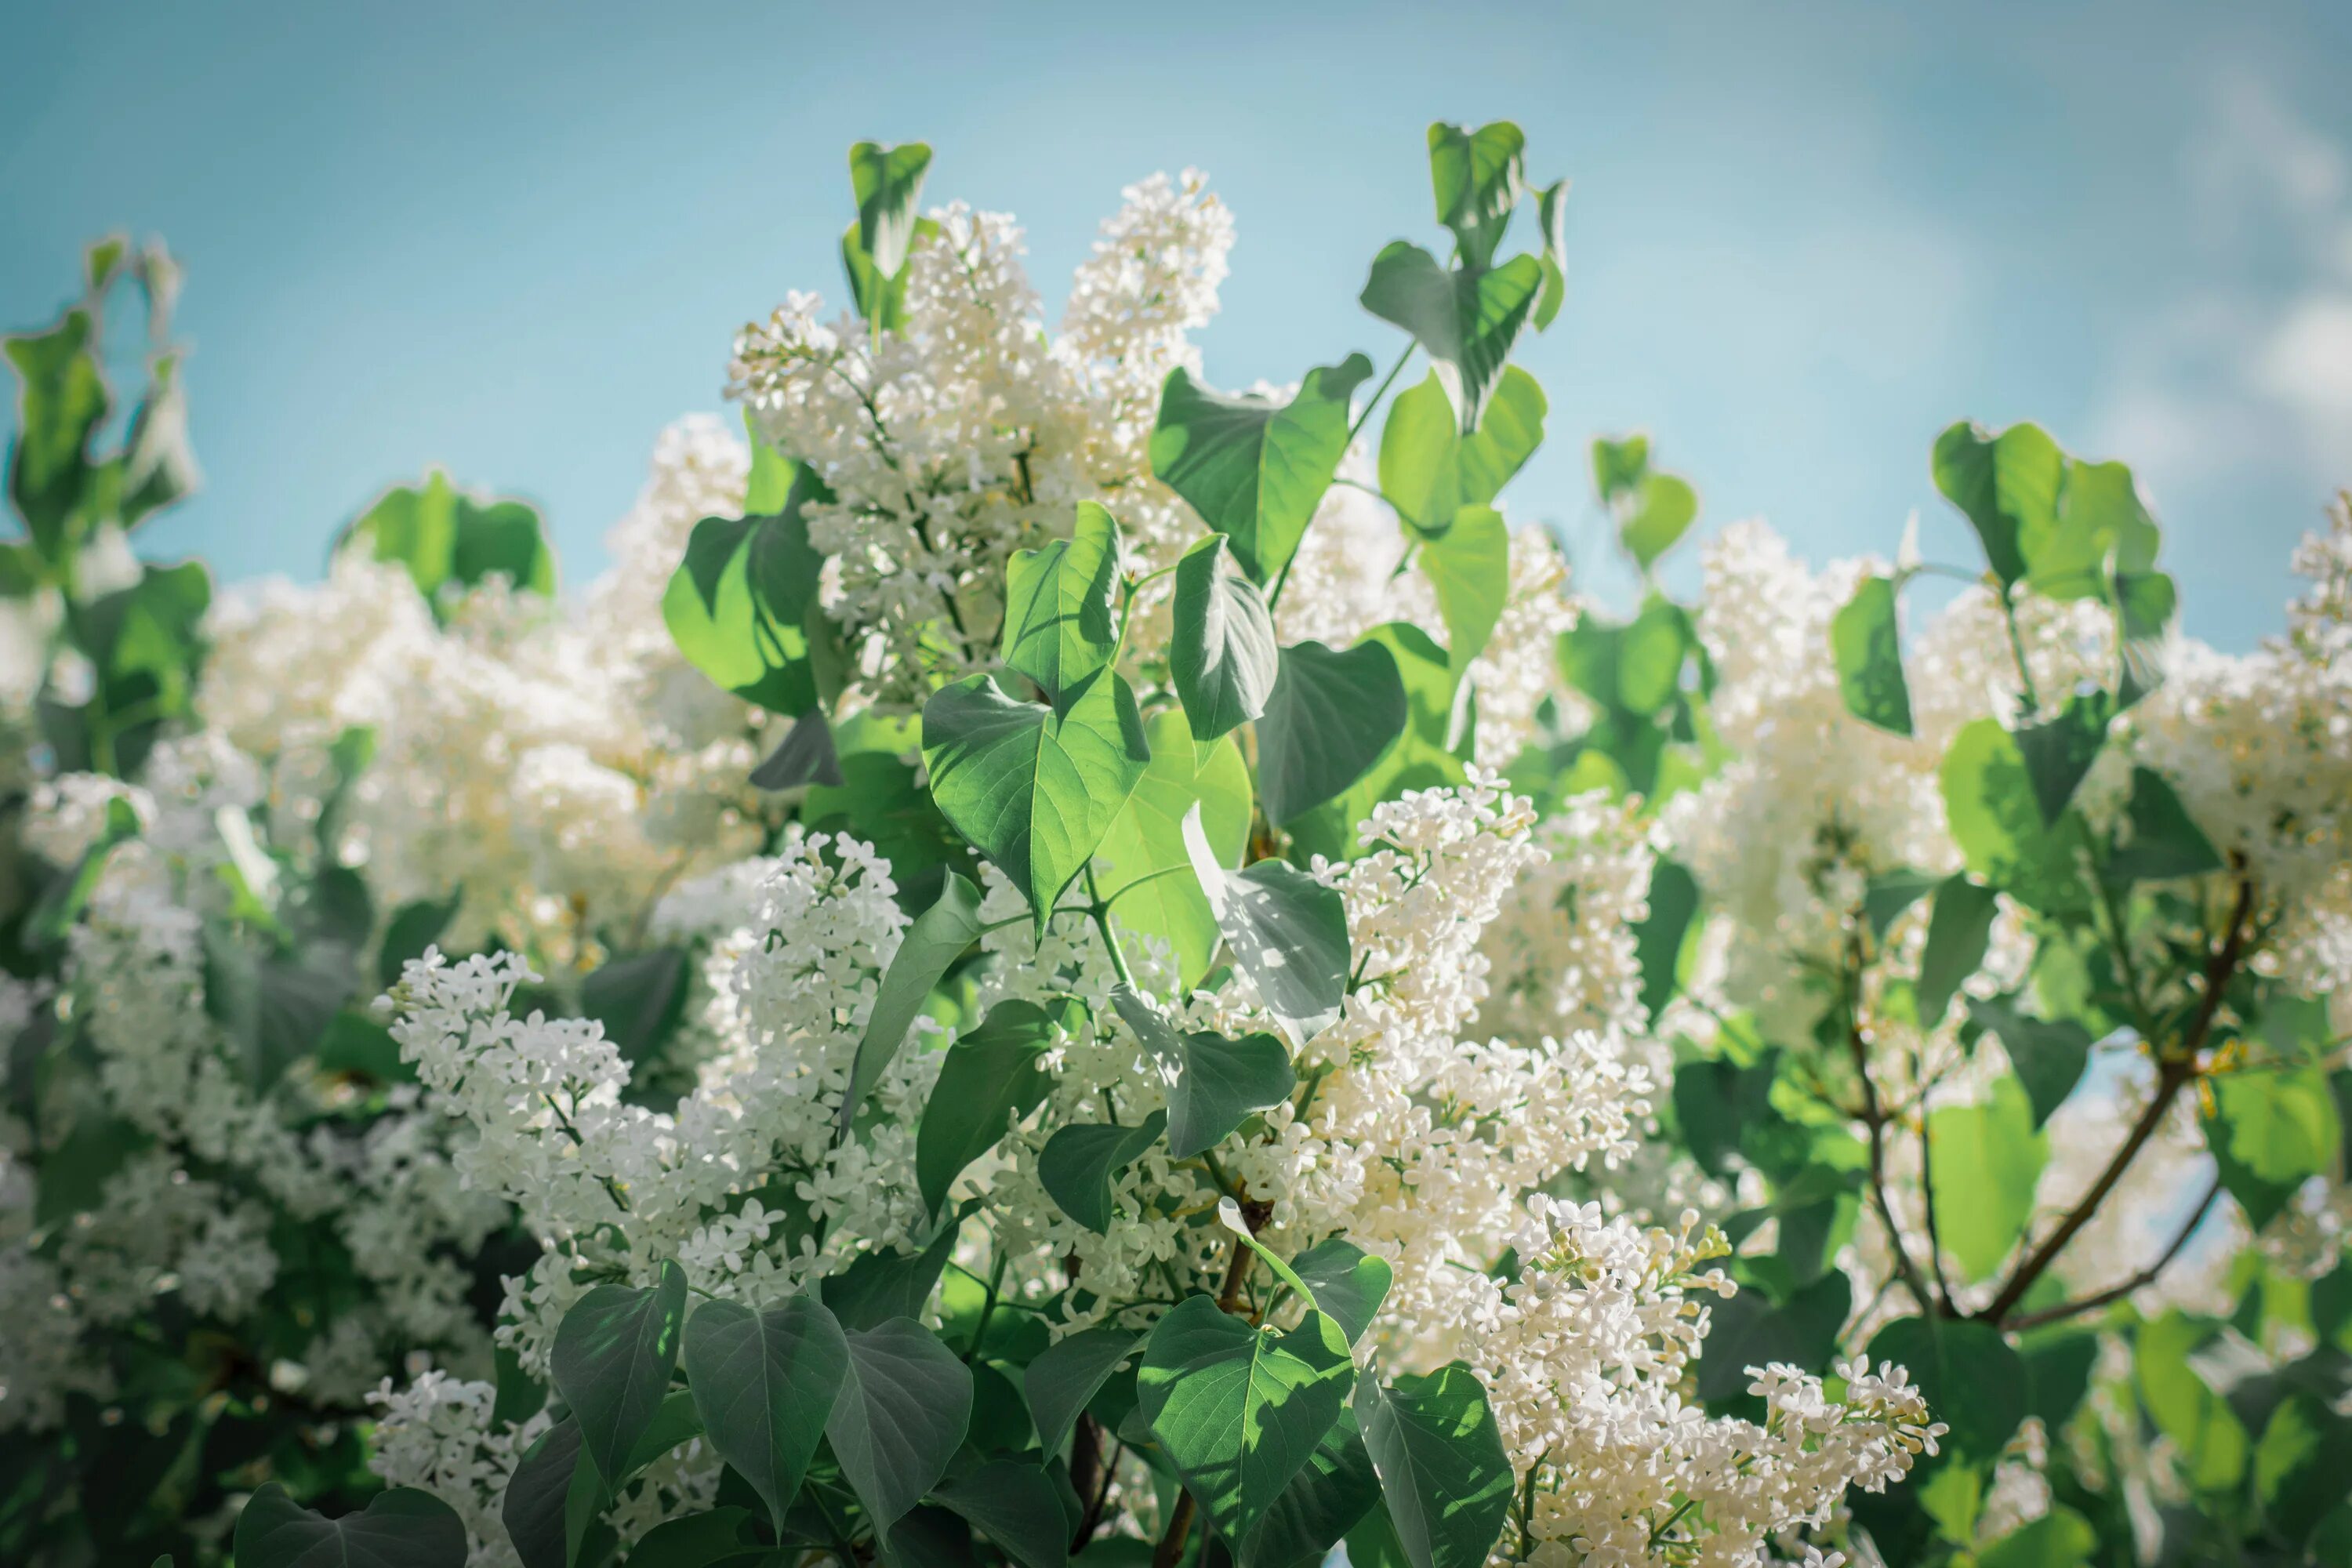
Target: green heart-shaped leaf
(1060, 1382)
(1465, 320)
(764, 1383)
(612, 1361)
(403, 1528)
(1286, 931)
(903, 1411)
(1057, 607)
(1219, 1082)
(1470, 566)
(1441, 1462)
(1141, 865)
(1032, 790)
(1221, 651)
(1869, 655)
(1079, 1162)
(1240, 1410)
(1329, 717)
(994, 1075)
(1254, 469)
(1430, 470)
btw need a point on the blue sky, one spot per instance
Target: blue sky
(515, 239)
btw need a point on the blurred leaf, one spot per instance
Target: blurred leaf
(1869, 655)
(1478, 177)
(1988, 1156)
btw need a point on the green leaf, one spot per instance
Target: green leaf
(275, 1010)
(741, 605)
(61, 399)
(1057, 608)
(415, 926)
(443, 535)
(1348, 1283)
(723, 1538)
(1219, 1082)
(1470, 567)
(2006, 485)
(1016, 1507)
(1465, 320)
(1478, 177)
(1254, 469)
(993, 1077)
(1060, 1382)
(1990, 801)
(1142, 867)
(1443, 1471)
(935, 938)
(1288, 933)
(2101, 519)
(1973, 1382)
(403, 1528)
(1221, 651)
(639, 1000)
(1619, 466)
(2049, 1055)
(1330, 717)
(2269, 1132)
(2059, 752)
(888, 182)
(1959, 928)
(1335, 1490)
(1428, 754)
(1987, 1158)
(1430, 470)
(1658, 937)
(1752, 1329)
(1650, 656)
(805, 757)
(1032, 790)
(552, 1498)
(1662, 510)
(902, 1413)
(1080, 1162)
(1238, 1410)
(886, 1283)
(612, 1361)
(2164, 843)
(2058, 1539)
(765, 1383)
(1551, 214)
(1869, 655)
(2211, 1440)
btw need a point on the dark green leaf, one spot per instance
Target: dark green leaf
(1990, 801)
(1239, 1410)
(902, 1413)
(2269, 1132)
(1348, 1283)
(403, 1528)
(61, 399)
(1443, 1471)
(1959, 926)
(1869, 654)
(415, 926)
(1015, 1505)
(1032, 790)
(2059, 752)
(1618, 466)
(1218, 1082)
(1254, 469)
(1080, 1162)
(805, 755)
(1752, 1329)
(723, 1538)
(1221, 652)
(888, 182)
(2164, 843)
(1973, 1382)
(765, 1383)
(1658, 937)
(639, 1000)
(2049, 1055)
(936, 940)
(612, 1361)
(993, 1077)
(740, 605)
(1288, 933)
(444, 536)
(2058, 1539)
(1060, 1382)
(1330, 717)
(1323, 1502)
(886, 1283)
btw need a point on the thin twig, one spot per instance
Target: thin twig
(2147, 1275)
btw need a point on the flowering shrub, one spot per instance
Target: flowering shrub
(1058, 964)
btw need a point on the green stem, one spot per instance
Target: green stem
(1101, 912)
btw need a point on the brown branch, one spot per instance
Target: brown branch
(1874, 1116)
(2118, 1292)
(2174, 1072)
(1927, 1191)
(1180, 1525)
